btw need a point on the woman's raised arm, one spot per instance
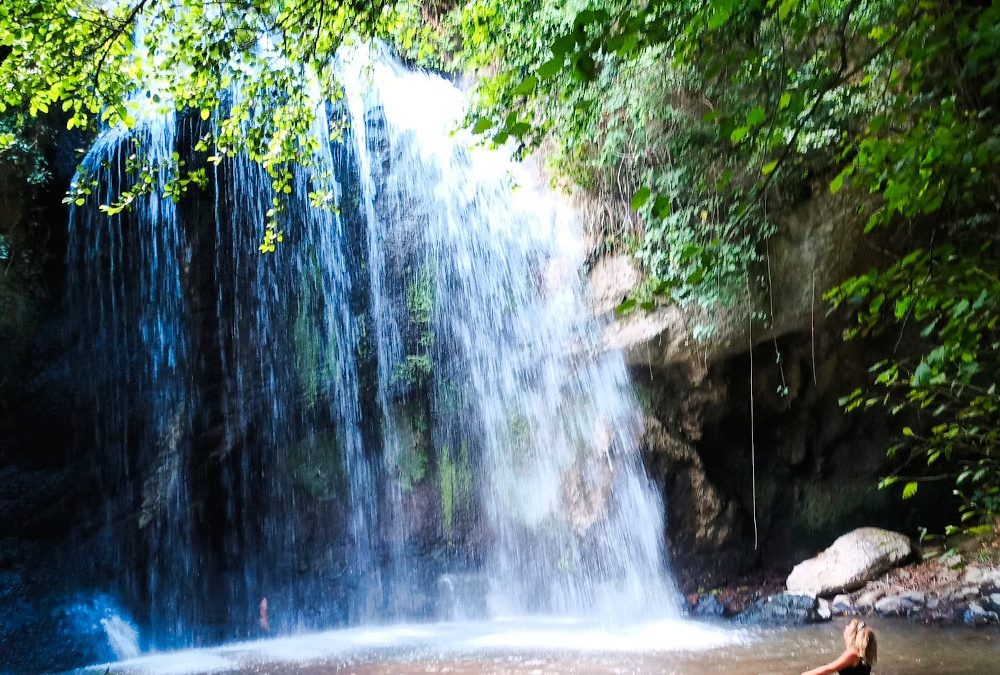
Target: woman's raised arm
(845, 660)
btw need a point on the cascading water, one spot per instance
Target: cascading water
(405, 412)
(134, 368)
(518, 372)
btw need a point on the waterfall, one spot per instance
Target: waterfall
(134, 366)
(122, 637)
(516, 364)
(404, 412)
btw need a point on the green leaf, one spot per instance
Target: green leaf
(786, 7)
(768, 168)
(921, 375)
(755, 116)
(980, 300)
(640, 198)
(911, 258)
(519, 129)
(564, 45)
(689, 252)
(696, 276)
(663, 286)
(909, 490)
(719, 18)
(626, 306)
(853, 396)
(838, 182)
(739, 133)
(661, 207)
(902, 306)
(550, 68)
(482, 125)
(526, 86)
(584, 67)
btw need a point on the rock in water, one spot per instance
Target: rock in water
(709, 606)
(893, 605)
(784, 609)
(841, 604)
(853, 559)
(977, 616)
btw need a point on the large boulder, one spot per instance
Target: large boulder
(853, 559)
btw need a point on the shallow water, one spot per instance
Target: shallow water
(540, 646)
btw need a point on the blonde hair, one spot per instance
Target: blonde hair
(861, 640)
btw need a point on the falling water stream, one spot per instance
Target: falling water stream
(516, 365)
(403, 414)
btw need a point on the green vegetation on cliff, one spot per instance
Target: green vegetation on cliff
(707, 117)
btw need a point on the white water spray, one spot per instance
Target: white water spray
(404, 408)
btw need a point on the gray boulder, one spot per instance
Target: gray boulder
(866, 601)
(841, 604)
(709, 606)
(785, 609)
(853, 559)
(976, 615)
(894, 605)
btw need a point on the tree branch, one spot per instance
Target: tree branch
(127, 23)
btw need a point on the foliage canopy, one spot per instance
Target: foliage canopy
(261, 67)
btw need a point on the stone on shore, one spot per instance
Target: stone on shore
(852, 560)
(708, 606)
(976, 615)
(841, 604)
(900, 605)
(786, 609)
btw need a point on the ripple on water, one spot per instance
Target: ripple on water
(518, 640)
(518, 646)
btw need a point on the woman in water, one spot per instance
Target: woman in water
(858, 657)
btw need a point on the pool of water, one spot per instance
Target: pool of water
(540, 647)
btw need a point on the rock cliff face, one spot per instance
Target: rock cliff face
(44, 480)
(818, 244)
(759, 465)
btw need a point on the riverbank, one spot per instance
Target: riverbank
(958, 585)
